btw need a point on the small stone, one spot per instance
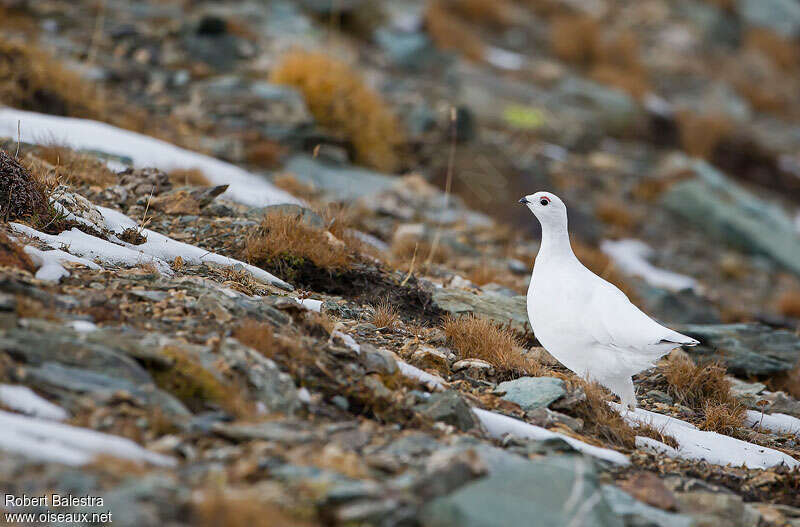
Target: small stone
(659, 396)
(477, 368)
(431, 358)
(449, 407)
(533, 392)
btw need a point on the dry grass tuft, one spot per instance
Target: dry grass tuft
(340, 100)
(497, 13)
(195, 386)
(285, 239)
(188, 177)
(648, 430)
(602, 266)
(265, 153)
(477, 338)
(703, 388)
(789, 304)
(64, 165)
(407, 250)
(449, 31)
(615, 212)
(22, 195)
(211, 508)
(782, 52)
(134, 236)
(484, 273)
(12, 255)
(700, 134)
(258, 335)
(32, 80)
(384, 315)
(600, 420)
(722, 418)
(575, 39)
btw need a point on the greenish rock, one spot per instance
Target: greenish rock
(611, 109)
(746, 349)
(497, 308)
(533, 392)
(410, 50)
(341, 181)
(720, 207)
(451, 408)
(548, 492)
(781, 16)
(637, 513)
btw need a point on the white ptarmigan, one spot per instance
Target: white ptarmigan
(585, 322)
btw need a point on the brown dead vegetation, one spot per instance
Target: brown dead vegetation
(188, 177)
(289, 182)
(384, 315)
(22, 195)
(12, 254)
(341, 101)
(59, 163)
(258, 335)
(215, 507)
(478, 338)
(789, 304)
(705, 389)
(287, 240)
(451, 32)
(265, 153)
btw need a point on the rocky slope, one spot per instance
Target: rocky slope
(319, 319)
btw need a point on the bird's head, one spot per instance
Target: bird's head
(547, 207)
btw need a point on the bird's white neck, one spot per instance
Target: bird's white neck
(555, 242)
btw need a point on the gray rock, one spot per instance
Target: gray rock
(377, 360)
(497, 308)
(638, 514)
(451, 408)
(781, 16)
(526, 493)
(410, 50)
(746, 349)
(343, 182)
(283, 432)
(682, 307)
(659, 396)
(532, 392)
(610, 109)
(728, 211)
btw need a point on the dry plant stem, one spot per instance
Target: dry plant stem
(448, 182)
(410, 267)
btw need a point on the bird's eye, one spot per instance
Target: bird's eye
(544, 201)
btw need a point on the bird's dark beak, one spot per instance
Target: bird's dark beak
(524, 201)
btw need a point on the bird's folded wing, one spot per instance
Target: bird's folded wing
(612, 320)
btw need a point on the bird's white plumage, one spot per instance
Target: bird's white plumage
(585, 322)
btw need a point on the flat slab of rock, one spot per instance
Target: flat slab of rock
(497, 308)
(746, 349)
(533, 392)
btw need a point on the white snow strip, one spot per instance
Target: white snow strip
(83, 326)
(700, 445)
(160, 247)
(79, 243)
(631, 257)
(244, 187)
(504, 59)
(311, 305)
(49, 263)
(23, 399)
(56, 442)
(370, 239)
(498, 425)
(434, 382)
(778, 423)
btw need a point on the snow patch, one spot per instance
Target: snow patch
(311, 305)
(777, 423)
(83, 326)
(23, 399)
(49, 263)
(434, 382)
(56, 442)
(631, 257)
(243, 186)
(498, 425)
(504, 59)
(699, 445)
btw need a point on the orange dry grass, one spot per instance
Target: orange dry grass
(575, 39)
(12, 255)
(789, 304)
(498, 13)
(284, 236)
(72, 167)
(340, 100)
(784, 53)
(477, 338)
(211, 508)
(600, 420)
(258, 335)
(384, 315)
(700, 134)
(614, 212)
(265, 153)
(288, 182)
(449, 31)
(189, 177)
(484, 273)
(705, 389)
